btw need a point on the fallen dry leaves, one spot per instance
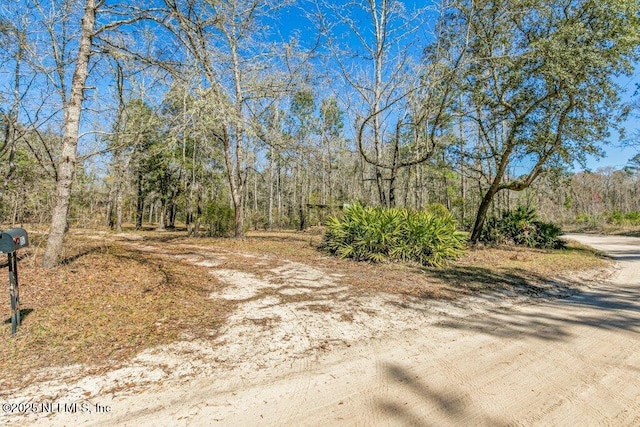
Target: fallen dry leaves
(104, 305)
(109, 301)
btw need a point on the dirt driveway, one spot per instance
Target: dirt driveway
(336, 359)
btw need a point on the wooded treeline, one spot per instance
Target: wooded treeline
(235, 114)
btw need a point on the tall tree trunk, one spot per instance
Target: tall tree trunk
(407, 187)
(196, 225)
(238, 231)
(163, 216)
(380, 186)
(270, 206)
(140, 201)
(68, 157)
(235, 186)
(236, 180)
(119, 210)
(255, 202)
(394, 167)
(118, 172)
(109, 213)
(301, 201)
(462, 172)
(279, 194)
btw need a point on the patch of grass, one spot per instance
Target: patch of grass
(292, 245)
(604, 228)
(105, 305)
(543, 262)
(481, 269)
(519, 270)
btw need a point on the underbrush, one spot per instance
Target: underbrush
(377, 234)
(103, 304)
(219, 219)
(521, 227)
(608, 222)
(629, 219)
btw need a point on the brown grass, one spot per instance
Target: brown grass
(482, 268)
(621, 230)
(107, 302)
(104, 304)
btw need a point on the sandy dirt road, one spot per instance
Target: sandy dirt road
(572, 361)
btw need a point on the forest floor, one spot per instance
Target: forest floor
(138, 314)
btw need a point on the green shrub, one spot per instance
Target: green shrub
(521, 227)
(219, 219)
(616, 218)
(377, 234)
(633, 217)
(548, 236)
(437, 209)
(584, 218)
(621, 219)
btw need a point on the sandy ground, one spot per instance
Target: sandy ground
(302, 350)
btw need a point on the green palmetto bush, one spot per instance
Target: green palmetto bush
(521, 227)
(377, 234)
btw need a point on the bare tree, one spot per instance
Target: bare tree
(13, 38)
(68, 152)
(392, 103)
(58, 19)
(21, 117)
(223, 40)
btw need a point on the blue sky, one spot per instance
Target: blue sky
(617, 154)
(292, 21)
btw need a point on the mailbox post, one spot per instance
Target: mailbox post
(10, 242)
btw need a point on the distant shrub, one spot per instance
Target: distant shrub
(376, 234)
(615, 217)
(623, 218)
(219, 219)
(590, 221)
(521, 227)
(584, 218)
(633, 218)
(437, 209)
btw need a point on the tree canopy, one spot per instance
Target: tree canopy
(190, 111)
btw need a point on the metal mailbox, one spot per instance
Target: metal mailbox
(10, 241)
(14, 239)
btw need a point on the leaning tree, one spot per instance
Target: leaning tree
(538, 84)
